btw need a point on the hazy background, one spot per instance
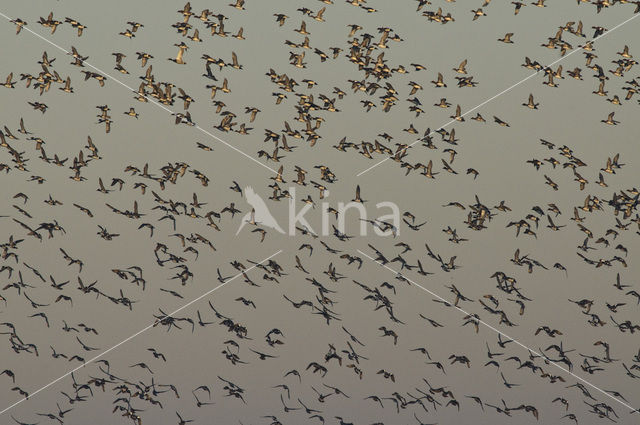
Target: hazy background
(569, 115)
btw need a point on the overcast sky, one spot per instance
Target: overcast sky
(567, 115)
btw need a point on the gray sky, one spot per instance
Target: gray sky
(567, 115)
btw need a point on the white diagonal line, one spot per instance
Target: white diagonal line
(137, 333)
(508, 89)
(145, 96)
(500, 333)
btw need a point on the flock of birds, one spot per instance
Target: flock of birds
(176, 209)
